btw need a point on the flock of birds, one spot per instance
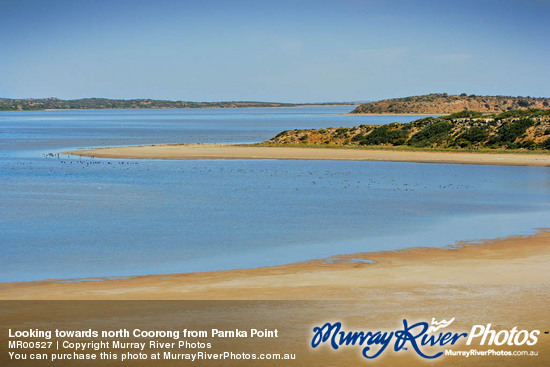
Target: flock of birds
(322, 179)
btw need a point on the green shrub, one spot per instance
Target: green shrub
(528, 144)
(510, 131)
(378, 136)
(431, 134)
(518, 113)
(341, 132)
(474, 135)
(281, 134)
(463, 114)
(385, 134)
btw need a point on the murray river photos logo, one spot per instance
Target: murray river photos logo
(418, 337)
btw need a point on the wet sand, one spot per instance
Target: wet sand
(467, 272)
(217, 151)
(504, 282)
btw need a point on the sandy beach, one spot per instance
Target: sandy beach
(476, 272)
(220, 151)
(504, 282)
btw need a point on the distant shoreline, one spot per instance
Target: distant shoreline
(225, 151)
(198, 108)
(54, 104)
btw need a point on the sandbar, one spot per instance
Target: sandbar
(226, 151)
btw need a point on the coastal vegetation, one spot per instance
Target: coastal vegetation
(443, 103)
(30, 104)
(472, 130)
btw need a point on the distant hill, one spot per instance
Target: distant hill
(443, 103)
(516, 129)
(30, 104)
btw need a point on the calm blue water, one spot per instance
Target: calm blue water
(69, 217)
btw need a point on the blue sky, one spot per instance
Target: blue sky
(288, 51)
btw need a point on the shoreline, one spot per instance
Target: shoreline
(503, 282)
(398, 114)
(516, 261)
(233, 151)
(182, 108)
